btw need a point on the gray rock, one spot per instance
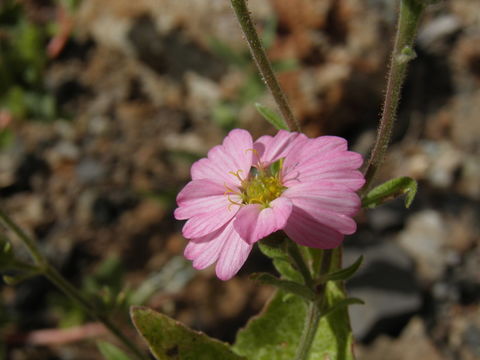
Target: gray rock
(90, 171)
(387, 285)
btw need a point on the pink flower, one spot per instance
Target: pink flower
(245, 190)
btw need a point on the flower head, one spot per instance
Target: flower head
(244, 190)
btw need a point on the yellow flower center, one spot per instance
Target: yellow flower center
(261, 186)
(261, 189)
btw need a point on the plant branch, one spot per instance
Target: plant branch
(56, 278)
(263, 64)
(44, 268)
(410, 12)
(314, 311)
(26, 240)
(312, 320)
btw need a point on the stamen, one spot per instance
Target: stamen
(236, 174)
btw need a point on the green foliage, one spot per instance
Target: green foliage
(275, 333)
(23, 60)
(344, 274)
(111, 352)
(276, 249)
(6, 137)
(104, 288)
(285, 285)
(391, 189)
(169, 339)
(272, 117)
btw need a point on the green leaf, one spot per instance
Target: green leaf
(391, 189)
(17, 279)
(343, 303)
(111, 352)
(169, 339)
(272, 117)
(285, 285)
(344, 274)
(275, 248)
(276, 332)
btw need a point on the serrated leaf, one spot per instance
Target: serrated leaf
(111, 352)
(391, 189)
(275, 333)
(346, 273)
(169, 339)
(272, 117)
(285, 285)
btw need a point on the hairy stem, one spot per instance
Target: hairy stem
(299, 262)
(410, 12)
(56, 278)
(26, 240)
(314, 311)
(44, 268)
(263, 64)
(310, 329)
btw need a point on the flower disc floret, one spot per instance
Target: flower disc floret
(261, 188)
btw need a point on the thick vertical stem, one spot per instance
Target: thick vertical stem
(310, 329)
(314, 311)
(410, 12)
(263, 64)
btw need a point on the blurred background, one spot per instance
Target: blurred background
(104, 105)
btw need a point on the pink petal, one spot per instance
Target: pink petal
(271, 149)
(233, 255)
(253, 223)
(307, 231)
(312, 148)
(328, 195)
(342, 223)
(340, 166)
(202, 224)
(233, 156)
(204, 251)
(200, 196)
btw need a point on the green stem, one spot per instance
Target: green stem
(410, 12)
(27, 241)
(263, 64)
(44, 268)
(56, 278)
(299, 262)
(314, 311)
(312, 320)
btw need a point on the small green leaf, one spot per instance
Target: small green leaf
(343, 303)
(276, 167)
(111, 352)
(344, 274)
(168, 339)
(391, 189)
(407, 54)
(17, 279)
(285, 285)
(272, 117)
(275, 248)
